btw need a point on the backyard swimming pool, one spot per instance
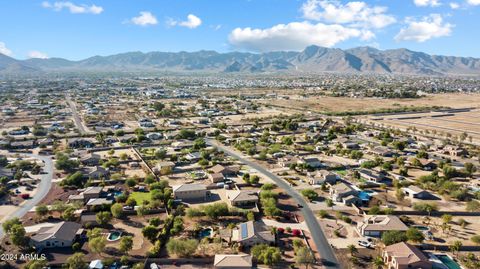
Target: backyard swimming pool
(365, 195)
(114, 236)
(205, 233)
(447, 261)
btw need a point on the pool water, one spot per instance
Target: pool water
(113, 236)
(117, 193)
(451, 264)
(205, 233)
(364, 195)
(421, 228)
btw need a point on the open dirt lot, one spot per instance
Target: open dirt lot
(448, 123)
(340, 104)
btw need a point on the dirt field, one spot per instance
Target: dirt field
(340, 104)
(450, 123)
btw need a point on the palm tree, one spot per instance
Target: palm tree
(378, 262)
(352, 249)
(455, 247)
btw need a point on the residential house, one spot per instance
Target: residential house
(322, 177)
(96, 203)
(193, 157)
(6, 172)
(232, 261)
(241, 198)
(252, 233)
(164, 168)
(287, 161)
(216, 177)
(404, 256)
(454, 151)
(61, 234)
(225, 170)
(344, 193)
(187, 192)
(382, 151)
(154, 136)
(371, 175)
(413, 191)
(99, 172)
(376, 225)
(312, 162)
(81, 143)
(90, 159)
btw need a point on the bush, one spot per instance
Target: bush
(323, 214)
(181, 247)
(415, 235)
(393, 237)
(309, 194)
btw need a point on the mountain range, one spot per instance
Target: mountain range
(313, 59)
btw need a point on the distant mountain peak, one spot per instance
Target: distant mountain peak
(313, 59)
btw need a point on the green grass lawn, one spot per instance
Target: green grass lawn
(141, 196)
(341, 172)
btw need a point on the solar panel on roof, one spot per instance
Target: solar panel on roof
(243, 228)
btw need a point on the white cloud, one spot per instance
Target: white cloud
(191, 22)
(356, 13)
(424, 3)
(294, 36)
(37, 54)
(4, 50)
(428, 27)
(473, 2)
(144, 19)
(73, 8)
(454, 5)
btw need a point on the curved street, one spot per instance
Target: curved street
(328, 258)
(42, 189)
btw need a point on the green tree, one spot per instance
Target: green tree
(36, 264)
(18, 235)
(393, 237)
(77, 261)
(415, 235)
(426, 207)
(266, 254)
(126, 244)
(150, 232)
(41, 210)
(447, 218)
(97, 244)
(352, 249)
(455, 247)
(378, 262)
(103, 218)
(69, 214)
(8, 224)
(304, 256)
(117, 210)
(310, 194)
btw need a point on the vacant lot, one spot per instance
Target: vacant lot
(453, 124)
(342, 104)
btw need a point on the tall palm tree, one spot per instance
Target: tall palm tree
(378, 262)
(352, 249)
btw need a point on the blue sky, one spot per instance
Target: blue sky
(78, 29)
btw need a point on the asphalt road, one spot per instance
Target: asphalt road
(328, 258)
(76, 117)
(42, 189)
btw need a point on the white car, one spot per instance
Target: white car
(364, 243)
